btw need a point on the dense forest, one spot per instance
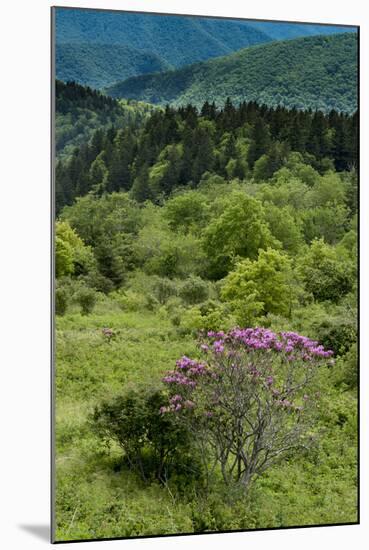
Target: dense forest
(318, 72)
(181, 147)
(183, 224)
(80, 110)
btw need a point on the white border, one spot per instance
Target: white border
(25, 241)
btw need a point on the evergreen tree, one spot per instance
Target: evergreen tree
(141, 189)
(260, 141)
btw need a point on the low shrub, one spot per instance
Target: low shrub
(163, 289)
(87, 299)
(209, 315)
(194, 290)
(61, 301)
(129, 300)
(154, 445)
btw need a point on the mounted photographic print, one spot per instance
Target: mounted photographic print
(205, 192)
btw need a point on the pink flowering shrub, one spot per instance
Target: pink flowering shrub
(250, 401)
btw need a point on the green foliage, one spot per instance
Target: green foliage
(98, 172)
(338, 328)
(209, 315)
(167, 254)
(186, 211)
(194, 290)
(328, 190)
(109, 225)
(80, 111)
(129, 300)
(270, 162)
(174, 149)
(290, 192)
(163, 289)
(154, 444)
(327, 273)
(61, 301)
(72, 256)
(241, 230)
(327, 222)
(63, 257)
(95, 218)
(347, 368)
(87, 300)
(284, 227)
(265, 285)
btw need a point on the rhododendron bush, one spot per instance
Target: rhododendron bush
(250, 401)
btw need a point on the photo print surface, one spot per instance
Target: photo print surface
(205, 184)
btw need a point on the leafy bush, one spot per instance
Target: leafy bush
(346, 369)
(72, 256)
(129, 300)
(86, 298)
(328, 273)
(174, 310)
(186, 211)
(163, 289)
(154, 445)
(209, 315)
(63, 258)
(262, 286)
(194, 290)
(338, 333)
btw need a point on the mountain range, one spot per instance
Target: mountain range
(100, 47)
(318, 72)
(101, 65)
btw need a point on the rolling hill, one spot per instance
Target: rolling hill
(318, 72)
(100, 65)
(177, 41)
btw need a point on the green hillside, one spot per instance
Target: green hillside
(99, 65)
(315, 72)
(80, 111)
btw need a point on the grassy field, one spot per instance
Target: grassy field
(97, 496)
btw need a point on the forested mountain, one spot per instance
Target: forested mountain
(282, 30)
(179, 147)
(314, 72)
(100, 65)
(176, 40)
(85, 39)
(80, 111)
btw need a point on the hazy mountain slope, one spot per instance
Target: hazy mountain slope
(284, 30)
(100, 65)
(177, 40)
(315, 72)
